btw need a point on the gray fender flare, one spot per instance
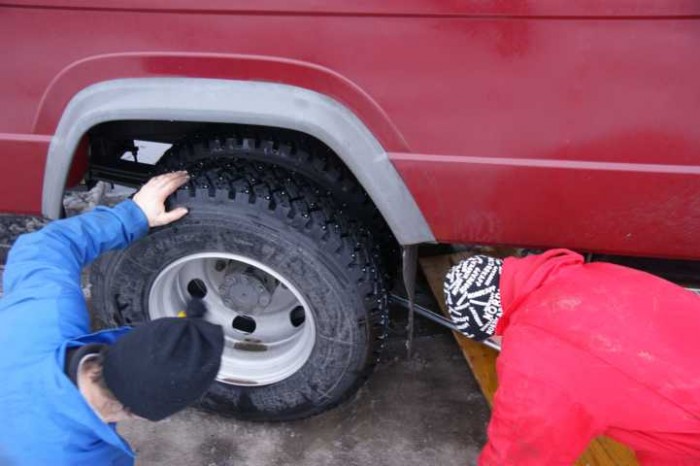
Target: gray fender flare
(242, 102)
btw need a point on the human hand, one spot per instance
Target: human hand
(152, 195)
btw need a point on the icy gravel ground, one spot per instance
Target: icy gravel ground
(422, 411)
(77, 202)
(11, 226)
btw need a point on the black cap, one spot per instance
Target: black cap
(163, 366)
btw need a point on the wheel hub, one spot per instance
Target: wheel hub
(268, 326)
(244, 290)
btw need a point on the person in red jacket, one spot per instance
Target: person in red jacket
(588, 349)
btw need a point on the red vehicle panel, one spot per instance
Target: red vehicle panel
(533, 123)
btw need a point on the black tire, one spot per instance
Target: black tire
(264, 213)
(303, 156)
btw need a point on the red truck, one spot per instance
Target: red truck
(322, 134)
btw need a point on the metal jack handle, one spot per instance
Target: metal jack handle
(410, 263)
(435, 317)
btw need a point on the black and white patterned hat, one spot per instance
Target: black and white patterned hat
(472, 296)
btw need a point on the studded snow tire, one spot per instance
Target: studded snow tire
(277, 218)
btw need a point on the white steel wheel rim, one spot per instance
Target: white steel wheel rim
(275, 350)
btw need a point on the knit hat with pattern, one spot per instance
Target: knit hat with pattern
(472, 296)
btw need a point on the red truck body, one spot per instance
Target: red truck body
(536, 123)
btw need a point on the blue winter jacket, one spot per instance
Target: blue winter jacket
(44, 420)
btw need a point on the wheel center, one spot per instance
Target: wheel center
(243, 292)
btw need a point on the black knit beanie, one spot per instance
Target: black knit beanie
(163, 366)
(472, 296)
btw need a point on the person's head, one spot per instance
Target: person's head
(472, 296)
(154, 371)
(94, 389)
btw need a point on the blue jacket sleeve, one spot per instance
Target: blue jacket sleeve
(46, 265)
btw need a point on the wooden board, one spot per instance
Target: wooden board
(602, 451)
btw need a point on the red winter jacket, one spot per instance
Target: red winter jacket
(594, 349)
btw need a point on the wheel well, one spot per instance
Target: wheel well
(150, 106)
(112, 145)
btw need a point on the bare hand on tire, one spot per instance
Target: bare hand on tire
(151, 198)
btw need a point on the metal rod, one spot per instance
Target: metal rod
(410, 264)
(437, 318)
(425, 312)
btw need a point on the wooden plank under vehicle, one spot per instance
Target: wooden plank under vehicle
(602, 451)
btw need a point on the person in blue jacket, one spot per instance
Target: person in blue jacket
(64, 388)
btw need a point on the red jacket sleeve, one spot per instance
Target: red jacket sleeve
(534, 423)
